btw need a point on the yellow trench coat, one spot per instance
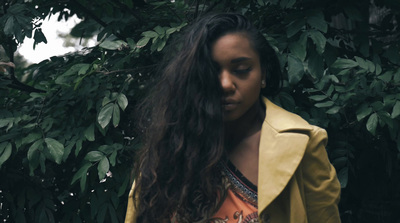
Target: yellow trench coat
(296, 182)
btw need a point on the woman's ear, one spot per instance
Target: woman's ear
(263, 79)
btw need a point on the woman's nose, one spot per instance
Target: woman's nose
(227, 82)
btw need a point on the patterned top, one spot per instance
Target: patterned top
(240, 204)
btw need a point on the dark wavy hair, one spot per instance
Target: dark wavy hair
(177, 174)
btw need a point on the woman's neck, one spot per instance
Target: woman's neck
(249, 124)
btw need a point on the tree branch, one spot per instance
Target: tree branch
(15, 84)
(176, 14)
(95, 18)
(211, 7)
(133, 13)
(127, 70)
(197, 9)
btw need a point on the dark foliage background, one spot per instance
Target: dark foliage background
(67, 137)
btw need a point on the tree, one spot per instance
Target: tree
(68, 138)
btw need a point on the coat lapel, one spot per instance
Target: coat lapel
(282, 146)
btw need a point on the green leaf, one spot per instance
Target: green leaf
(67, 150)
(116, 115)
(142, 42)
(315, 65)
(183, 24)
(319, 40)
(84, 69)
(159, 30)
(333, 110)
(386, 77)
(81, 172)
(377, 105)
(340, 89)
(82, 183)
(105, 115)
(150, 34)
(55, 148)
(362, 63)
(261, 2)
(74, 69)
(385, 119)
(89, 133)
(317, 21)
(324, 104)
(5, 121)
(372, 123)
(34, 155)
(3, 147)
(295, 27)
(39, 36)
(114, 96)
(78, 147)
(33, 148)
(112, 45)
(5, 153)
(334, 78)
(371, 66)
(103, 167)
(9, 26)
(363, 112)
(94, 156)
(171, 30)
(330, 90)
(340, 162)
(298, 48)
(295, 70)
(161, 45)
(122, 101)
(344, 72)
(343, 177)
(105, 101)
(318, 97)
(42, 162)
(154, 40)
(106, 149)
(344, 63)
(155, 45)
(113, 158)
(131, 43)
(396, 110)
(378, 69)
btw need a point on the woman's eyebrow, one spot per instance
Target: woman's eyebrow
(240, 59)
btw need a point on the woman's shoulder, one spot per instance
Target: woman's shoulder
(282, 120)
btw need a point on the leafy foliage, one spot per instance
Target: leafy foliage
(68, 138)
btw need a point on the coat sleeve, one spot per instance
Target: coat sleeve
(321, 185)
(130, 211)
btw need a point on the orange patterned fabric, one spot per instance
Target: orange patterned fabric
(240, 204)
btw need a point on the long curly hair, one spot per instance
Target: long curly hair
(177, 174)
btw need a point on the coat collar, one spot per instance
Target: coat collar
(282, 144)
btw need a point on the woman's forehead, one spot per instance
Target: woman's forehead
(234, 47)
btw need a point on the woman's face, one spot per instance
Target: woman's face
(240, 74)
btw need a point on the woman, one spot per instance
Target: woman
(216, 150)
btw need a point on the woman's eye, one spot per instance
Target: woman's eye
(242, 71)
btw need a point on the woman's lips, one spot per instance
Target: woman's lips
(229, 105)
